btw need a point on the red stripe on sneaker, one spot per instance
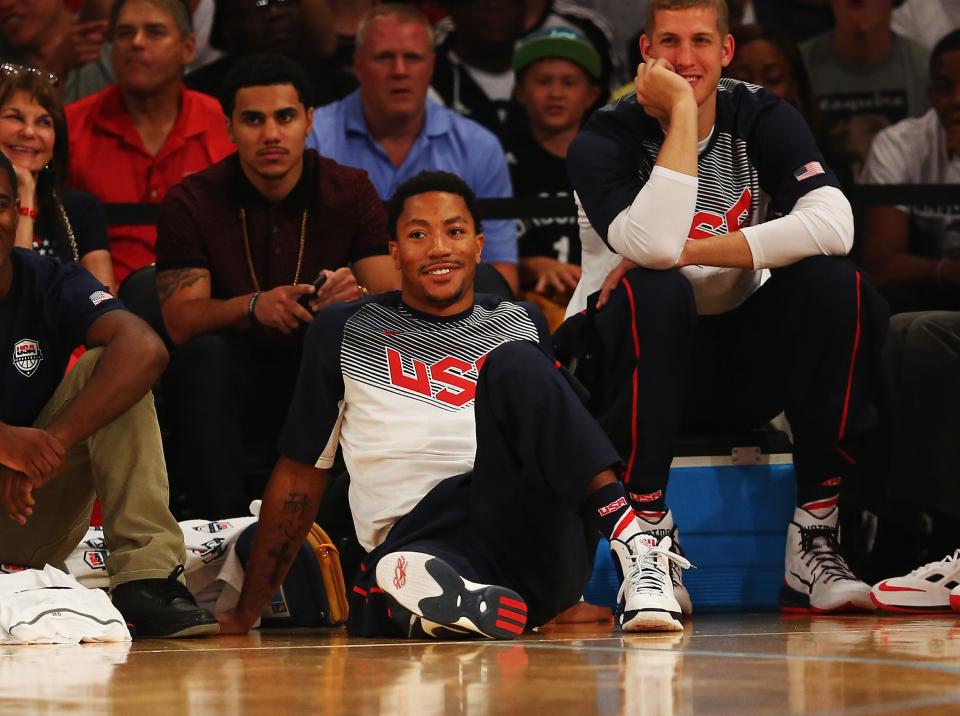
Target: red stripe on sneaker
(521, 619)
(884, 587)
(821, 504)
(359, 591)
(636, 389)
(623, 522)
(846, 456)
(508, 626)
(853, 361)
(376, 590)
(515, 603)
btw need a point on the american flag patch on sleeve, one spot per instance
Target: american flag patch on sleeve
(810, 169)
(98, 297)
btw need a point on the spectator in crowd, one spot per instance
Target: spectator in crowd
(669, 181)
(474, 71)
(134, 140)
(64, 223)
(625, 19)
(98, 74)
(547, 14)
(65, 440)
(913, 252)
(926, 21)
(345, 16)
(389, 128)
(247, 27)
(232, 308)
(44, 34)
(774, 63)
(557, 75)
(474, 480)
(798, 20)
(864, 78)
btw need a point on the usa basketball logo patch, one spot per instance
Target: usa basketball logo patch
(27, 356)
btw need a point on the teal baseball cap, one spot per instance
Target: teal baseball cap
(558, 42)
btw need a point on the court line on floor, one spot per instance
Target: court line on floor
(893, 707)
(570, 644)
(871, 661)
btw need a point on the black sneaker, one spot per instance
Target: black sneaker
(162, 608)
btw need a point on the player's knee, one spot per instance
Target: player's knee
(515, 361)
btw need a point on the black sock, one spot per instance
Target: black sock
(609, 512)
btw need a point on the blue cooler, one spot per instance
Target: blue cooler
(732, 512)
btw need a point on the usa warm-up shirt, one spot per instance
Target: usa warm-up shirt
(759, 160)
(43, 319)
(395, 388)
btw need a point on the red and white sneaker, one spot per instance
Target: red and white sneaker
(930, 589)
(816, 578)
(431, 589)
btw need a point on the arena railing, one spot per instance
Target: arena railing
(547, 207)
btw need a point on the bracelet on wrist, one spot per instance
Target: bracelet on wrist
(251, 308)
(28, 212)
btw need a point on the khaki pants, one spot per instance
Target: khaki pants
(122, 465)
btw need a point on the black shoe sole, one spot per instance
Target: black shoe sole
(432, 589)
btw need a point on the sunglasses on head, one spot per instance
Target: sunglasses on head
(11, 69)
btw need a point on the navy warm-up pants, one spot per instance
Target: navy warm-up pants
(513, 520)
(807, 342)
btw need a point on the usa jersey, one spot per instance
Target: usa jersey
(759, 160)
(395, 388)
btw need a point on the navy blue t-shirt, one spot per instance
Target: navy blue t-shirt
(43, 319)
(759, 144)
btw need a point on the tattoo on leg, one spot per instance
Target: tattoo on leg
(169, 282)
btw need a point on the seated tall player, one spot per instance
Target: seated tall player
(479, 482)
(717, 289)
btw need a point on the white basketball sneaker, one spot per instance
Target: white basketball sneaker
(816, 578)
(431, 589)
(646, 598)
(666, 528)
(927, 589)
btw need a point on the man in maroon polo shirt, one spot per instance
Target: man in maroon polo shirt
(238, 245)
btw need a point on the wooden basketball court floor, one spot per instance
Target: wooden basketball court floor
(722, 664)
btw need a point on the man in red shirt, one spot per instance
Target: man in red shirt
(134, 140)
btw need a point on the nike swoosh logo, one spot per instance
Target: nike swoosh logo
(884, 587)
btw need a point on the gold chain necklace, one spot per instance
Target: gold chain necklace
(246, 248)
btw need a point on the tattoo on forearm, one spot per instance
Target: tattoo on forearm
(169, 282)
(295, 503)
(282, 556)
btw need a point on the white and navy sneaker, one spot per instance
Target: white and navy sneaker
(431, 589)
(666, 528)
(926, 589)
(646, 598)
(816, 577)
(415, 627)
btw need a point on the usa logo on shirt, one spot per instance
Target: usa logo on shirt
(98, 297)
(27, 356)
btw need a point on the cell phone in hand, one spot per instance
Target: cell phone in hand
(317, 285)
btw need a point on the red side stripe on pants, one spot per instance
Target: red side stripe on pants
(853, 362)
(636, 370)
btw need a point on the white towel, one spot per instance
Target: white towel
(49, 607)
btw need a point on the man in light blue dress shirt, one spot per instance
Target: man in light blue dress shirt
(389, 128)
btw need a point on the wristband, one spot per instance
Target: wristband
(251, 314)
(29, 213)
